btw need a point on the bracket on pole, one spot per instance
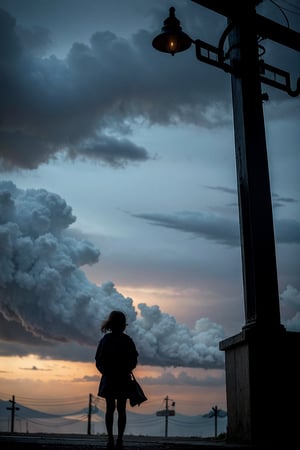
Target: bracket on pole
(280, 79)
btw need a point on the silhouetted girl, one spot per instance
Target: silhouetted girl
(116, 357)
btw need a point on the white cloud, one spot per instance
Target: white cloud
(45, 291)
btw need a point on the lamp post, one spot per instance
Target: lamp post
(261, 350)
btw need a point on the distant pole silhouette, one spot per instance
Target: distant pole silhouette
(167, 416)
(89, 415)
(168, 412)
(12, 408)
(215, 410)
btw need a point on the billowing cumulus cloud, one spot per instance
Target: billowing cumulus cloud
(44, 292)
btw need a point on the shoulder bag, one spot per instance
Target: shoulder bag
(136, 394)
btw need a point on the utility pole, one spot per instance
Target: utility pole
(12, 408)
(216, 411)
(169, 412)
(167, 416)
(166, 413)
(89, 415)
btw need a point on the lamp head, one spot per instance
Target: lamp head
(172, 39)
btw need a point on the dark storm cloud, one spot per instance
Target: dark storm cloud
(279, 201)
(83, 105)
(101, 149)
(218, 228)
(183, 378)
(36, 40)
(223, 189)
(13, 333)
(72, 106)
(206, 225)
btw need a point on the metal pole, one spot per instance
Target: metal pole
(89, 415)
(167, 416)
(12, 408)
(261, 296)
(215, 410)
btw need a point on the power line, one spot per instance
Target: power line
(292, 5)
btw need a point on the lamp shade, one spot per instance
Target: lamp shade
(172, 39)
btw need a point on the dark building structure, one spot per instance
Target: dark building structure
(261, 362)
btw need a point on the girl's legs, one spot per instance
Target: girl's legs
(109, 419)
(121, 408)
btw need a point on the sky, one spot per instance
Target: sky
(118, 191)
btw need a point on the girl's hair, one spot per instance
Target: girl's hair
(116, 322)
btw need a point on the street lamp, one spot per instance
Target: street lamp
(172, 39)
(263, 349)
